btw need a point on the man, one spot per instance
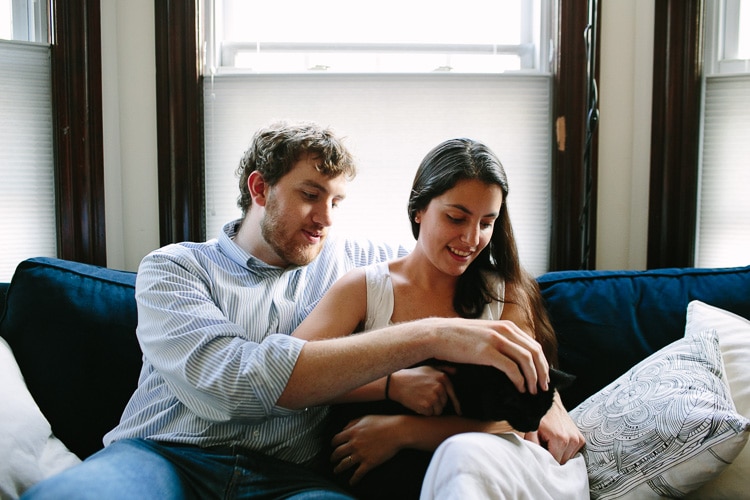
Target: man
(228, 403)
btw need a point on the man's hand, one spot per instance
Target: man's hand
(501, 344)
(558, 433)
(424, 389)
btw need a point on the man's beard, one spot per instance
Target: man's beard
(272, 229)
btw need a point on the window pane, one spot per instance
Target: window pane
(24, 20)
(27, 198)
(727, 37)
(743, 45)
(392, 21)
(487, 36)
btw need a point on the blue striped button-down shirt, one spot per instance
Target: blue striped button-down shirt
(214, 325)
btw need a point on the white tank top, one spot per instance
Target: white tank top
(380, 297)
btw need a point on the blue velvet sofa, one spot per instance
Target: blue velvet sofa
(71, 327)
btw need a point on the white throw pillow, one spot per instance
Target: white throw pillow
(25, 435)
(734, 340)
(665, 427)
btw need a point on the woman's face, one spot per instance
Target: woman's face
(457, 225)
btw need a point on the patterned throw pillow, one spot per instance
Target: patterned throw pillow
(665, 427)
(734, 339)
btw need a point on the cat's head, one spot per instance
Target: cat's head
(486, 393)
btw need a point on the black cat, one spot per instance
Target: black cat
(484, 392)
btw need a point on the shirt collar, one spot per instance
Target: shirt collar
(240, 256)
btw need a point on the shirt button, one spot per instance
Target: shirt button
(256, 433)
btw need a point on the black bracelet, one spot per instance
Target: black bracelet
(387, 386)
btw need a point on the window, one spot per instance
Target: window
(425, 72)
(76, 229)
(27, 195)
(723, 227)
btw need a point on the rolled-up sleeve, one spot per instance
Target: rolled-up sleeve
(205, 356)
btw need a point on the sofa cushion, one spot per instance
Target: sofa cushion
(607, 321)
(664, 428)
(72, 329)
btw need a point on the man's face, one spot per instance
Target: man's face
(298, 213)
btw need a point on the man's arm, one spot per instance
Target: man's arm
(326, 369)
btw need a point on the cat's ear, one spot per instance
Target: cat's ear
(560, 379)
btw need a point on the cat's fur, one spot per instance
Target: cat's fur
(486, 393)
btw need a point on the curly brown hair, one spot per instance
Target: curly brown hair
(275, 149)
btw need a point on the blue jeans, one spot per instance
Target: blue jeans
(145, 469)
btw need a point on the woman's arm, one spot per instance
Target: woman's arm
(340, 312)
(374, 439)
(558, 433)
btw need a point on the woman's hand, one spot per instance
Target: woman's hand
(366, 443)
(558, 433)
(424, 389)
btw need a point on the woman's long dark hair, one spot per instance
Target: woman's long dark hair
(465, 159)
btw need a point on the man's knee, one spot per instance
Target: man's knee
(125, 469)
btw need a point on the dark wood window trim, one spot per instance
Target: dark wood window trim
(77, 111)
(574, 194)
(179, 103)
(180, 134)
(675, 132)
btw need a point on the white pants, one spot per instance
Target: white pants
(485, 466)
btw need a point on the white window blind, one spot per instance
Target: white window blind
(724, 208)
(27, 196)
(391, 122)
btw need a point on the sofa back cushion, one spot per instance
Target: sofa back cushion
(607, 321)
(72, 330)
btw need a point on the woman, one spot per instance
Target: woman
(465, 263)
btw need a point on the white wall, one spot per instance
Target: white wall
(130, 152)
(626, 68)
